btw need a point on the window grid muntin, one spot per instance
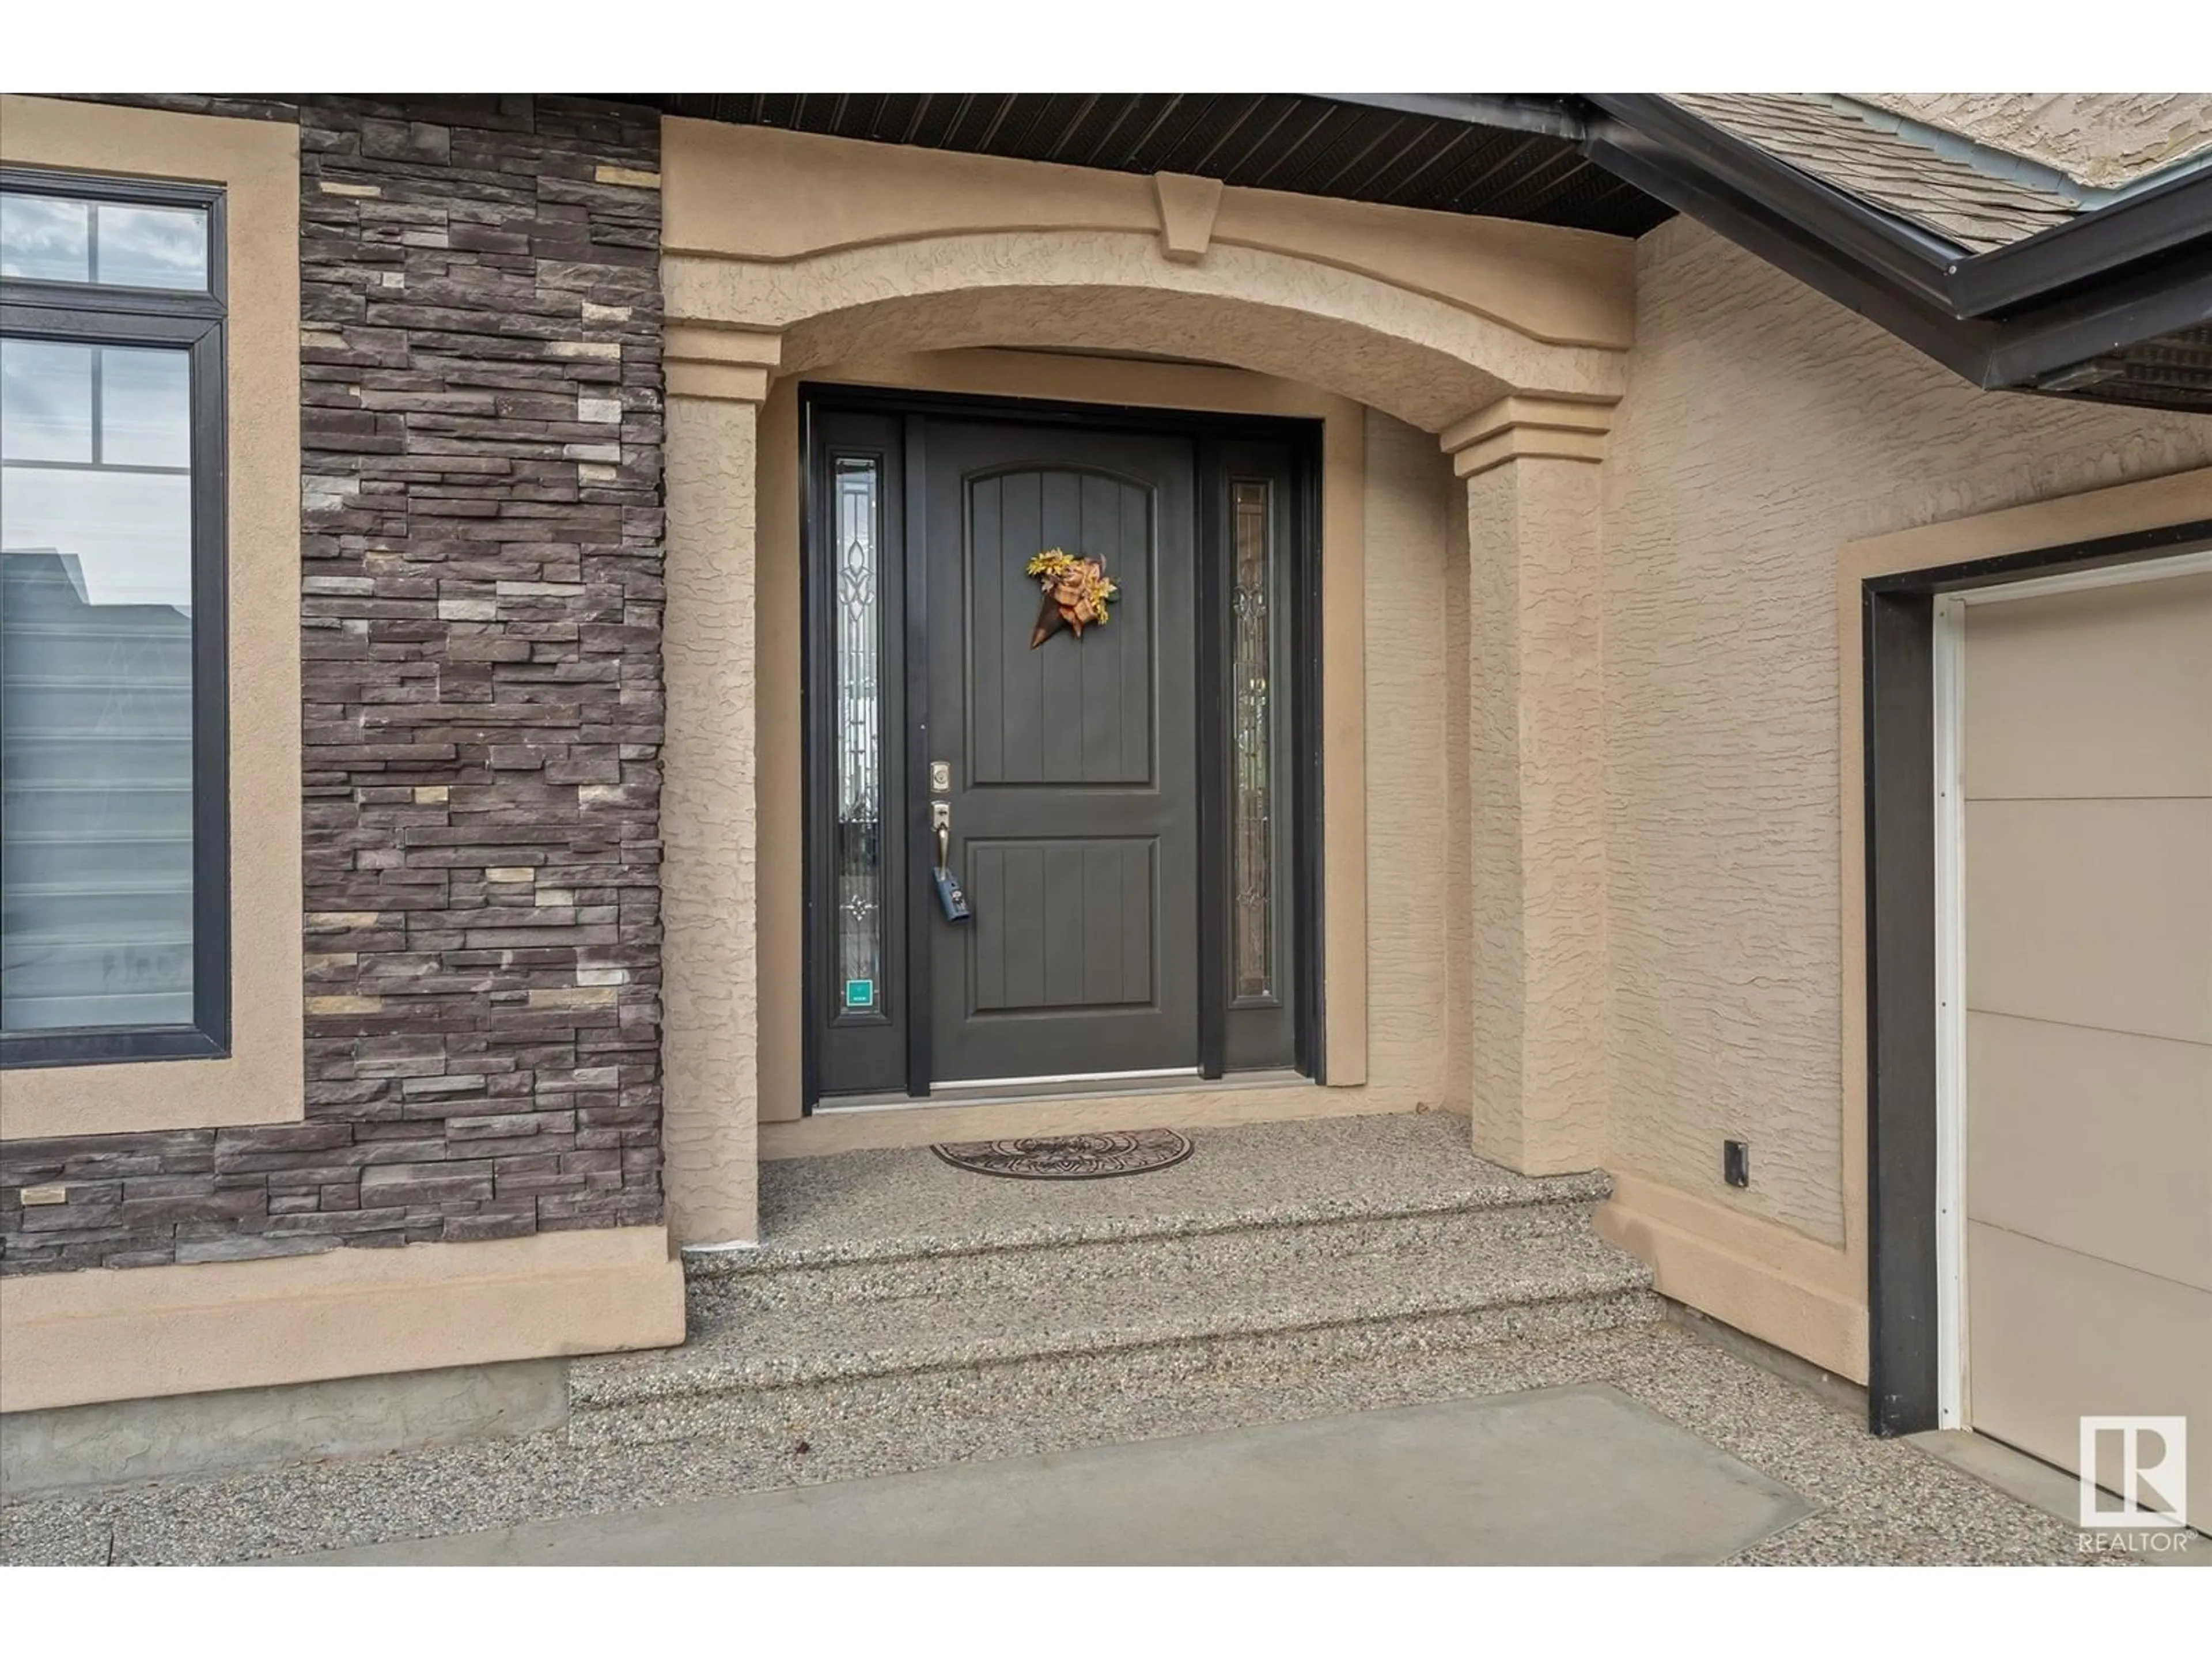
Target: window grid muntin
(97, 189)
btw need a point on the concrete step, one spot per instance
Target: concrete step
(903, 1222)
(1223, 1253)
(908, 1418)
(894, 1288)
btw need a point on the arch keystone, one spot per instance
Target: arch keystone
(1188, 207)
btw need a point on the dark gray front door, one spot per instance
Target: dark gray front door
(1071, 769)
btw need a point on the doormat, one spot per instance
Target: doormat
(1069, 1157)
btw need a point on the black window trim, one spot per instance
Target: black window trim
(106, 314)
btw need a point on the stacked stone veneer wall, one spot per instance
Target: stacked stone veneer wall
(481, 602)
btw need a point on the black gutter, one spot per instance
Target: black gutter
(2012, 318)
(2022, 351)
(2162, 219)
(2106, 294)
(1904, 255)
(2032, 346)
(2031, 270)
(1780, 242)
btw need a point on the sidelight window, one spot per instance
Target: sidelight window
(856, 489)
(1252, 813)
(113, 927)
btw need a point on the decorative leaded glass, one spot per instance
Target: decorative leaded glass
(856, 488)
(1252, 946)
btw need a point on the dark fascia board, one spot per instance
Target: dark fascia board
(1787, 246)
(1910, 257)
(2030, 272)
(2161, 220)
(2174, 293)
(2132, 272)
(1615, 123)
(2140, 305)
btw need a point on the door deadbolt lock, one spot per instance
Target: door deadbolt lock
(941, 777)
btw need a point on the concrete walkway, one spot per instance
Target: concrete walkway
(1648, 1443)
(1559, 1476)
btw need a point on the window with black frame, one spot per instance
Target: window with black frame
(114, 933)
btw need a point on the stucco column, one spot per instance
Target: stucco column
(717, 380)
(1536, 778)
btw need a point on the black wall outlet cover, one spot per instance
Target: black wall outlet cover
(1736, 1163)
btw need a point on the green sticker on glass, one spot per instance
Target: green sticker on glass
(859, 994)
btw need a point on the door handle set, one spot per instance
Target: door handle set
(950, 898)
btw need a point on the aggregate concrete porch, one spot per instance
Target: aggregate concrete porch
(875, 1205)
(1551, 1476)
(1069, 1345)
(896, 1289)
(1867, 1501)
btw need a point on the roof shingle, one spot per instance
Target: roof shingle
(1939, 193)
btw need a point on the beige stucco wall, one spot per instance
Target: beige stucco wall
(2104, 139)
(709, 973)
(1537, 850)
(75, 1339)
(1764, 427)
(1414, 699)
(780, 202)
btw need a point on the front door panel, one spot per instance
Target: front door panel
(1073, 770)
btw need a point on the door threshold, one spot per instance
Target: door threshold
(1018, 1090)
(1003, 1086)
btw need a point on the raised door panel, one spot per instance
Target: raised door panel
(1063, 924)
(1048, 716)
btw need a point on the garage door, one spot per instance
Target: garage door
(2087, 748)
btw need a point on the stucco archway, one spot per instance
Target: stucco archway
(787, 253)
(1427, 361)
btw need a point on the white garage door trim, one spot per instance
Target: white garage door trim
(1952, 1379)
